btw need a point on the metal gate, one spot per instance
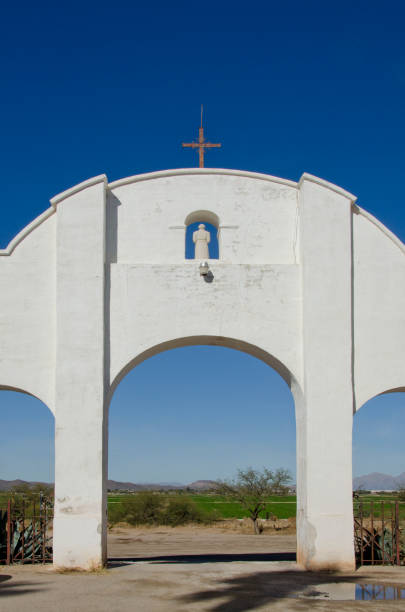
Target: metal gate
(378, 538)
(26, 530)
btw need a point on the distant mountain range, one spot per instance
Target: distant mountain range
(114, 485)
(374, 482)
(379, 482)
(6, 485)
(199, 485)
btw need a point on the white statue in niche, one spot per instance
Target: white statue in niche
(201, 238)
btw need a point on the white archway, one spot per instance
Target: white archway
(311, 281)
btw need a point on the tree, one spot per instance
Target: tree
(252, 488)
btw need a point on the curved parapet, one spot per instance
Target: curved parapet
(148, 176)
(393, 237)
(26, 231)
(191, 172)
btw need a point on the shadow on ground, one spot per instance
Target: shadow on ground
(250, 591)
(16, 587)
(215, 558)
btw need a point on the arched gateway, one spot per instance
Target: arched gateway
(305, 280)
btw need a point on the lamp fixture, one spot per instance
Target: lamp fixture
(204, 268)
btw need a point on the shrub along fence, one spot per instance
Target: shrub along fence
(26, 530)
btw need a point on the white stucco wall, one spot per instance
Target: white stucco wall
(27, 313)
(305, 281)
(151, 304)
(379, 309)
(257, 216)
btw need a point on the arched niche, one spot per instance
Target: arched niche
(211, 222)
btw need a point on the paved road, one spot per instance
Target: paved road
(169, 574)
(188, 587)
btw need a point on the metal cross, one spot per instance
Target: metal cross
(201, 145)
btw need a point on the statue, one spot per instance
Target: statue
(201, 239)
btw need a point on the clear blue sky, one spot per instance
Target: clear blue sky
(287, 87)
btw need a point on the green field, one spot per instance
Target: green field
(3, 499)
(282, 507)
(388, 509)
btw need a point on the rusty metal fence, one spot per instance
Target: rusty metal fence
(378, 537)
(26, 530)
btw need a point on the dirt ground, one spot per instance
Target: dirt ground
(199, 542)
(190, 569)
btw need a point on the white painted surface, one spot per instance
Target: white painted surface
(257, 218)
(379, 307)
(27, 314)
(324, 512)
(79, 524)
(99, 283)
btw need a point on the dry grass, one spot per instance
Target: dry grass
(239, 526)
(245, 526)
(95, 569)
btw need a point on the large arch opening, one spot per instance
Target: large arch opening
(176, 419)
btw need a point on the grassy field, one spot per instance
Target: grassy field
(282, 507)
(388, 508)
(3, 499)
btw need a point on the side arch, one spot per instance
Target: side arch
(26, 392)
(385, 392)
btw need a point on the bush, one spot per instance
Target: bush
(148, 508)
(145, 508)
(116, 513)
(182, 510)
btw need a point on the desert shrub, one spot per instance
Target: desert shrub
(147, 508)
(116, 513)
(182, 510)
(144, 508)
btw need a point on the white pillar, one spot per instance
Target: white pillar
(324, 424)
(80, 516)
